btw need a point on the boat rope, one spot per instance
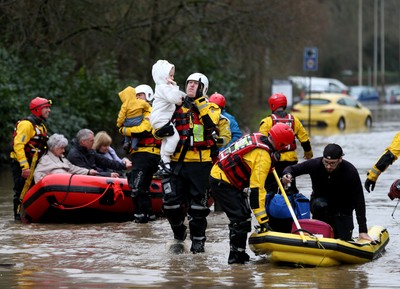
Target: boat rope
(117, 193)
(319, 244)
(395, 207)
(66, 193)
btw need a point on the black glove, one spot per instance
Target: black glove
(264, 227)
(187, 102)
(369, 185)
(199, 91)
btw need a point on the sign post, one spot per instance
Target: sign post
(310, 59)
(310, 63)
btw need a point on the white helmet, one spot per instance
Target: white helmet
(204, 80)
(147, 90)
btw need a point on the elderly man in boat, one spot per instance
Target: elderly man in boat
(82, 155)
(337, 191)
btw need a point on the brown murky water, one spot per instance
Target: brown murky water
(129, 255)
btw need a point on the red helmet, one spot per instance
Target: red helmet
(394, 190)
(37, 104)
(277, 100)
(218, 99)
(282, 136)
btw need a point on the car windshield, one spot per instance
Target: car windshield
(315, 101)
(355, 91)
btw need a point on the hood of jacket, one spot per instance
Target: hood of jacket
(127, 93)
(161, 71)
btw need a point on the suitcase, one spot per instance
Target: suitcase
(315, 227)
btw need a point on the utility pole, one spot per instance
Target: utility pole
(375, 64)
(360, 45)
(383, 48)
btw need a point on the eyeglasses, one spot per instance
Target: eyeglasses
(330, 163)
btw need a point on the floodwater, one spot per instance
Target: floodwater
(129, 255)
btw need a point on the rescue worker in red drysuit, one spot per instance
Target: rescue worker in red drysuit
(237, 181)
(30, 136)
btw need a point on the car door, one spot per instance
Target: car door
(354, 112)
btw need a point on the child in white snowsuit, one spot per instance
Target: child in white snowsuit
(166, 96)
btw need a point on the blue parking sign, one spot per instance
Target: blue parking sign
(310, 59)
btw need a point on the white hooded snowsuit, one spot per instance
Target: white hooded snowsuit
(166, 97)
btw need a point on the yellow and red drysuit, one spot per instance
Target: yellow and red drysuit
(186, 189)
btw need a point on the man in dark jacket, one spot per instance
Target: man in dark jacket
(337, 191)
(82, 155)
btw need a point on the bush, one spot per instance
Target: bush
(81, 98)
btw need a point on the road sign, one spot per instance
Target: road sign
(310, 59)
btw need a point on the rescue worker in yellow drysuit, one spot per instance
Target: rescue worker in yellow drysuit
(391, 154)
(28, 145)
(278, 103)
(185, 190)
(237, 181)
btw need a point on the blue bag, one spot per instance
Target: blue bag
(301, 206)
(277, 208)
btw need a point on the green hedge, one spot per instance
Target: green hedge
(81, 97)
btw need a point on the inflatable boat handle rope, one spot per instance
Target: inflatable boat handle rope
(289, 206)
(395, 207)
(117, 193)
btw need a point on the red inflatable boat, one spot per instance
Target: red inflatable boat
(65, 198)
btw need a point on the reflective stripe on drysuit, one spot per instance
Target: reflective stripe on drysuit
(30, 135)
(187, 188)
(390, 155)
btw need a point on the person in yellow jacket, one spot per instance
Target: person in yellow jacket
(145, 159)
(28, 145)
(390, 155)
(278, 104)
(132, 112)
(185, 190)
(237, 181)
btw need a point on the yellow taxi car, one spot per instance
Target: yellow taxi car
(332, 109)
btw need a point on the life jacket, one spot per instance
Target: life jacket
(37, 143)
(231, 159)
(287, 119)
(148, 140)
(188, 125)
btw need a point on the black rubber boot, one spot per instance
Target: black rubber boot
(238, 257)
(197, 246)
(17, 216)
(141, 219)
(179, 232)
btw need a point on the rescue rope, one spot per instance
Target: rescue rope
(395, 207)
(85, 205)
(117, 193)
(67, 192)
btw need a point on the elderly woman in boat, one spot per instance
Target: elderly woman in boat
(54, 162)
